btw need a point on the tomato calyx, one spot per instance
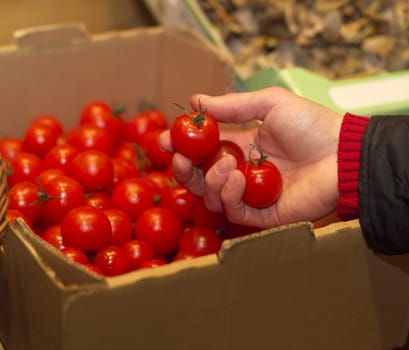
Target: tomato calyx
(262, 157)
(42, 195)
(198, 119)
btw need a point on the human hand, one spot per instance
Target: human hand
(298, 135)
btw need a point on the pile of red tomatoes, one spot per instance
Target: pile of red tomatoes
(102, 192)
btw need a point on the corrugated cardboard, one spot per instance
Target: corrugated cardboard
(290, 287)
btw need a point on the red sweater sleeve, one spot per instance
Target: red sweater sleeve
(349, 151)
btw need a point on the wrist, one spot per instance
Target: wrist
(349, 152)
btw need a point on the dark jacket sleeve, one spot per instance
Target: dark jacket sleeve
(384, 184)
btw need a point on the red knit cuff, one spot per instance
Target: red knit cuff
(349, 152)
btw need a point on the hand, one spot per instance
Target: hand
(298, 135)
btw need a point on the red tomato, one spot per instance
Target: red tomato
(200, 240)
(139, 125)
(94, 268)
(121, 224)
(195, 135)
(24, 167)
(60, 156)
(135, 155)
(40, 138)
(49, 174)
(133, 196)
(93, 170)
(263, 181)
(23, 196)
(152, 263)
(88, 136)
(201, 216)
(158, 157)
(159, 178)
(86, 228)
(224, 148)
(112, 261)
(59, 196)
(13, 214)
(10, 147)
(75, 254)
(50, 121)
(137, 252)
(98, 200)
(101, 115)
(123, 169)
(184, 256)
(178, 199)
(53, 236)
(161, 228)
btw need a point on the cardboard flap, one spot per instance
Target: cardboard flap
(62, 271)
(51, 36)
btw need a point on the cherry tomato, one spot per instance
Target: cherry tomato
(135, 155)
(60, 156)
(50, 121)
(93, 169)
(53, 236)
(10, 147)
(89, 136)
(101, 115)
(23, 196)
(184, 256)
(195, 135)
(60, 195)
(112, 261)
(200, 240)
(121, 224)
(263, 181)
(139, 125)
(161, 179)
(178, 199)
(161, 228)
(201, 216)
(224, 148)
(49, 174)
(94, 268)
(39, 139)
(150, 263)
(123, 169)
(13, 214)
(86, 228)
(75, 254)
(24, 167)
(137, 252)
(133, 196)
(98, 200)
(158, 157)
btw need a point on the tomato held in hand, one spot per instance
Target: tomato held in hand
(263, 181)
(224, 148)
(86, 228)
(195, 135)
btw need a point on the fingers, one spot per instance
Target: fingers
(215, 180)
(240, 107)
(187, 175)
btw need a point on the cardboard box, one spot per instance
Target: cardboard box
(291, 287)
